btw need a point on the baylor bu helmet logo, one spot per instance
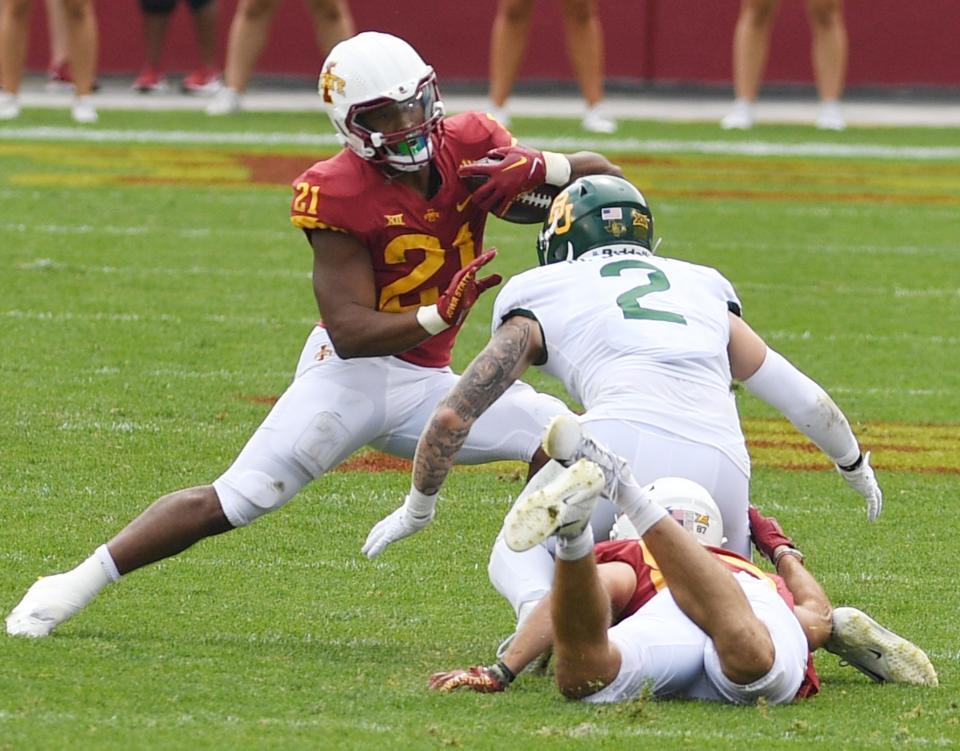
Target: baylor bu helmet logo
(329, 81)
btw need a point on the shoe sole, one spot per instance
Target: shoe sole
(891, 658)
(543, 513)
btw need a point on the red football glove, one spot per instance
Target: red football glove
(477, 678)
(768, 536)
(518, 170)
(465, 288)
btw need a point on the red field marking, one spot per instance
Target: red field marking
(776, 444)
(773, 443)
(670, 176)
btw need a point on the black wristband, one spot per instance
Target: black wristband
(855, 465)
(503, 673)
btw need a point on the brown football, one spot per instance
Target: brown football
(531, 207)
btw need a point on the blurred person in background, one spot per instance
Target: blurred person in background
(248, 36)
(81, 27)
(584, 39)
(751, 45)
(156, 19)
(58, 74)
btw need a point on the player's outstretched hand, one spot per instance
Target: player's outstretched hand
(509, 171)
(768, 536)
(862, 479)
(476, 678)
(465, 288)
(401, 523)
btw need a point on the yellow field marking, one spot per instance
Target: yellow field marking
(775, 443)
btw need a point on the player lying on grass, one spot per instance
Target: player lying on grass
(648, 346)
(631, 578)
(397, 240)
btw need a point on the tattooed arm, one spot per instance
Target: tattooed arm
(514, 347)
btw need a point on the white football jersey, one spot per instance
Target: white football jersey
(638, 338)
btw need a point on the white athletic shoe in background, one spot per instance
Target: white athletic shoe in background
(830, 117)
(596, 120)
(877, 652)
(47, 604)
(9, 106)
(500, 114)
(83, 111)
(562, 507)
(740, 117)
(226, 101)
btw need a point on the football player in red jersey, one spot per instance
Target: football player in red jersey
(651, 628)
(397, 240)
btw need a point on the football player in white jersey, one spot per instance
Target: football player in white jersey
(649, 346)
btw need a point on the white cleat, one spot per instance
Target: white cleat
(499, 114)
(562, 507)
(47, 604)
(740, 117)
(830, 117)
(226, 101)
(9, 106)
(565, 440)
(83, 111)
(877, 652)
(596, 120)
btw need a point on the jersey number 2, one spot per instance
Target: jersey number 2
(628, 300)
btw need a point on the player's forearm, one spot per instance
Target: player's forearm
(491, 373)
(437, 449)
(584, 163)
(806, 405)
(361, 332)
(811, 604)
(533, 637)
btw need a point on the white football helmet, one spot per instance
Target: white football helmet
(687, 502)
(373, 70)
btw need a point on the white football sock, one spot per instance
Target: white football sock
(575, 548)
(634, 502)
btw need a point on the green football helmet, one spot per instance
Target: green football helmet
(594, 212)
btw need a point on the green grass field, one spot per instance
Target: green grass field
(154, 295)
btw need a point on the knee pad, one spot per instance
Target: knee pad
(158, 7)
(319, 446)
(249, 495)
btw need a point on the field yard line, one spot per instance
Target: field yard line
(60, 316)
(268, 234)
(43, 264)
(872, 338)
(741, 148)
(781, 335)
(107, 229)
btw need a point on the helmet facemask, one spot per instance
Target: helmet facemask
(407, 149)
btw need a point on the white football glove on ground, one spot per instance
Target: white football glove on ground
(401, 523)
(864, 481)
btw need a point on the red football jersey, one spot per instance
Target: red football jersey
(415, 244)
(650, 581)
